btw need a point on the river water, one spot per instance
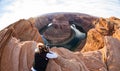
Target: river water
(13, 10)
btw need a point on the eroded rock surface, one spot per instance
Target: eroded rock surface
(103, 27)
(105, 59)
(17, 56)
(100, 53)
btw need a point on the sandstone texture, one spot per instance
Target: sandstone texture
(98, 52)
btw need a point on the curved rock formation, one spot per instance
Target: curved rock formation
(60, 31)
(100, 53)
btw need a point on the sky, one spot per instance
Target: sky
(13, 10)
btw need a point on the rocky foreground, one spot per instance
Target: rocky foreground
(98, 52)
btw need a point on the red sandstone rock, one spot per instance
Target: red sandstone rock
(103, 27)
(100, 53)
(66, 61)
(17, 56)
(25, 30)
(94, 41)
(112, 49)
(105, 59)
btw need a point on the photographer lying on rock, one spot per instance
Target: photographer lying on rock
(42, 56)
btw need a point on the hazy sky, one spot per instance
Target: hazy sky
(13, 10)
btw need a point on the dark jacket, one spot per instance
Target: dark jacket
(40, 61)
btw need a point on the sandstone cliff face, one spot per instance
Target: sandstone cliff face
(100, 53)
(112, 60)
(25, 30)
(17, 56)
(103, 27)
(17, 46)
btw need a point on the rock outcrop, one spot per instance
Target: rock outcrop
(105, 59)
(100, 52)
(17, 56)
(17, 44)
(103, 27)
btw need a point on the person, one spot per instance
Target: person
(42, 56)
